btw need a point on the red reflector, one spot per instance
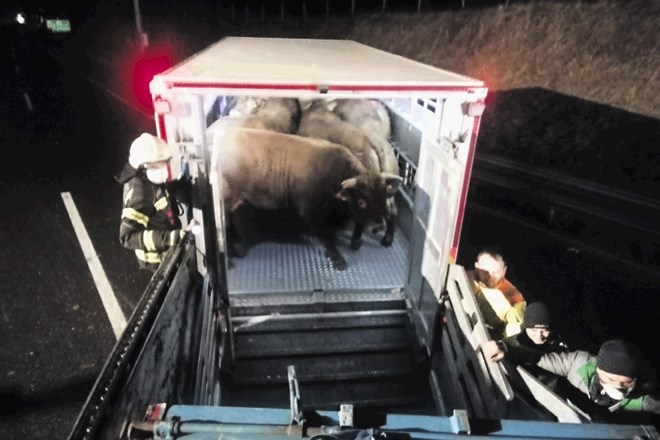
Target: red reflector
(453, 253)
(155, 412)
(143, 72)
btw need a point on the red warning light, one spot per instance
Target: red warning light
(144, 70)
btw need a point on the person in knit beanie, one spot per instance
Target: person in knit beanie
(536, 338)
(616, 380)
(622, 379)
(538, 330)
(618, 357)
(537, 315)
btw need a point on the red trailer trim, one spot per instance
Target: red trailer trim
(317, 87)
(160, 125)
(247, 86)
(412, 88)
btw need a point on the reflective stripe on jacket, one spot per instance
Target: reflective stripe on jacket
(150, 223)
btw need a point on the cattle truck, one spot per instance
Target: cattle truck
(279, 344)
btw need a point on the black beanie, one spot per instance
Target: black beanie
(536, 315)
(618, 357)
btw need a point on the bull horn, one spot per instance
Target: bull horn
(390, 176)
(349, 183)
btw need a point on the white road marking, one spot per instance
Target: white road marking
(115, 314)
(28, 103)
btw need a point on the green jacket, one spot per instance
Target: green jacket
(579, 368)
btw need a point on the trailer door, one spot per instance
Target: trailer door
(447, 136)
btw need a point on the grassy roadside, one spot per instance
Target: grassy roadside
(602, 51)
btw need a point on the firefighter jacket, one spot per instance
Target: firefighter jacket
(150, 222)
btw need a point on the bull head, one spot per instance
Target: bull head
(392, 183)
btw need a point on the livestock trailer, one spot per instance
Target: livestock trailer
(280, 344)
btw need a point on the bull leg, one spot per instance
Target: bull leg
(336, 258)
(235, 246)
(230, 233)
(322, 218)
(240, 216)
(390, 224)
(356, 238)
(388, 238)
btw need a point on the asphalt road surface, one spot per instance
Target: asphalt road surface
(63, 138)
(60, 135)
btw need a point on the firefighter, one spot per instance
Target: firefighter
(150, 223)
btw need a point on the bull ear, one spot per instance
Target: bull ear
(392, 182)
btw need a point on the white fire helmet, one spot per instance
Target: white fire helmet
(148, 148)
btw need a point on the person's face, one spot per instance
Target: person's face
(157, 172)
(489, 270)
(538, 335)
(623, 383)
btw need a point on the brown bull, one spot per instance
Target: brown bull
(372, 118)
(313, 177)
(319, 122)
(271, 113)
(368, 123)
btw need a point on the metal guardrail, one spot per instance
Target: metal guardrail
(623, 224)
(574, 194)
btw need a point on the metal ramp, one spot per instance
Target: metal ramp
(347, 334)
(356, 352)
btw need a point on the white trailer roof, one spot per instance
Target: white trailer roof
(308, 64)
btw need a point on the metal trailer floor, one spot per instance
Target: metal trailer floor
(299, 265)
